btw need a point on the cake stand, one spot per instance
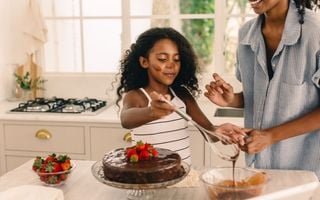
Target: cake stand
(136, 191)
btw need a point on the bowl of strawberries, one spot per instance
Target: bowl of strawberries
(53, 170)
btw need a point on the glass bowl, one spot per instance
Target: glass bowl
(219, 184)
(55, 178)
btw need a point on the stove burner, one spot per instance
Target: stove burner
(60, 105)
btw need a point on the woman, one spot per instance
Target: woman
(278, 64)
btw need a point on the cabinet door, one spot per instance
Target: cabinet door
(104, 139)
(197, 149)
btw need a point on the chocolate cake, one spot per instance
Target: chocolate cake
(166, 166)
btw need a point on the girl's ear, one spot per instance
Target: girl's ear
(143, 62)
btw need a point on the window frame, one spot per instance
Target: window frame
(219, 17)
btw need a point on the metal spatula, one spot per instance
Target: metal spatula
(207, 134)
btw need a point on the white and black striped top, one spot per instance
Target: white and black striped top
(169, 132)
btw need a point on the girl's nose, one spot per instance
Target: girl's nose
(171, 63)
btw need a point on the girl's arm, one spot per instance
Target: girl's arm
(136, 112)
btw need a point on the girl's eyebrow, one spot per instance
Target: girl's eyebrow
(161, 53)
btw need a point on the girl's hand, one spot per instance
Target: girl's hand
(235, 133)
(257, 141)
(158, 107)
(219, 92)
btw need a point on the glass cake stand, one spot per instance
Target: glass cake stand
(136, 191)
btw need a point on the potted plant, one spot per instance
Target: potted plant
(27, 85)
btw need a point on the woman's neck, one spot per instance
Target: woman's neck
(276, 16)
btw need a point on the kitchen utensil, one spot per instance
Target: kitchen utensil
(207, 134)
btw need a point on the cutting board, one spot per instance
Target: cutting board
(34, 70)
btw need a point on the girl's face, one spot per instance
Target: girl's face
(265, 6)
(163, 62)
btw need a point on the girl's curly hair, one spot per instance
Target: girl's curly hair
(302, 4)
(134, 76)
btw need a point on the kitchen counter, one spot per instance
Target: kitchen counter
(283, 184)
(110, 114)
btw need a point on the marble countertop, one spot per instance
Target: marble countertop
(283, 185)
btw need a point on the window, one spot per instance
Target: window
(89, 36)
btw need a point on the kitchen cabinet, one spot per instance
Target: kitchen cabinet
(103, 139)
(23, 140)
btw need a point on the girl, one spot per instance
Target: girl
(278, 63)
(162, 64)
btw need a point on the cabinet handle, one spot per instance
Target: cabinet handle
(43, 134)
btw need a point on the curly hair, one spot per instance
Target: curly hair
(302, 4)
(134, 76)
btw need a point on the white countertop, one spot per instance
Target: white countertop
(283, 184)
(108, 115)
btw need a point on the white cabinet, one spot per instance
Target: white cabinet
(104, 139)
(44, 137)
(22, 140)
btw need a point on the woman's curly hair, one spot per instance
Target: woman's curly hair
(303, 4)
(134, 76)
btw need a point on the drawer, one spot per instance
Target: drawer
(68, 139)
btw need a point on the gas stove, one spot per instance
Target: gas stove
(61, 105)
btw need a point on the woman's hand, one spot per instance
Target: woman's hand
(159, 108)
(257, 141)
(235, 133)
(219, 92)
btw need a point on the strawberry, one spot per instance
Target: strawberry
(48, 166)
(147, 146)
(63, 158)
(51, 158)
(37, 163)
(57, 167)
(140, 146)
(53, 179)
(65, 166)
(134, 158)
(63, 177)
(144, 155)
(130, 152)
(154, 153)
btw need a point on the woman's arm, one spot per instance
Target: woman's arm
(259, 140)
(221, 93)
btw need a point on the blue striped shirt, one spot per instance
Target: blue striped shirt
(291, 93)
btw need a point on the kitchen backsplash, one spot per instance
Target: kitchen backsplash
(79, 86)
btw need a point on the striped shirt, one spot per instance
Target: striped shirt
(291, 93)
(169, 132)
